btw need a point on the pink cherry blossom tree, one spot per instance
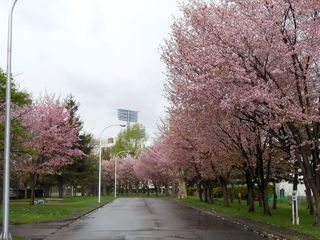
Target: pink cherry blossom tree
(52, 138)
(263, 72)
(150, 168)
(107, 174)
(126, 174)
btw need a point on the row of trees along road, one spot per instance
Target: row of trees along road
(48, 148)
(129, 144)
(244, 93)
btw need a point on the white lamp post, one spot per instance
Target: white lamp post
(100, 154)
(5, 235)
(115, 171)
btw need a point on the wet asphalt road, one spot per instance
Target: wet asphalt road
(150, 219)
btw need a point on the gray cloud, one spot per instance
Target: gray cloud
(103, 52)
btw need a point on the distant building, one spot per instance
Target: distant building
(284, 189)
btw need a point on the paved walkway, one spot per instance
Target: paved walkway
(143, 219)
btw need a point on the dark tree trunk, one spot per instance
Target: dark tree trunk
(232, 193)
(239, 198)
(167, 190)
(225, 196)
(309, 198)
(264, 199)
(34, 179)
(263, 177)
(210, 189)
(317, 209)
(274, 195)
(250, 189)
(60, 190)
(46, 191)
(25, 193)
(224, 184)
(199, 191)
(206, 192)
(260, 200)
(156, 189)
(310, 173)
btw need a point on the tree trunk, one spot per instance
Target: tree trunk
(274, 195)
(46, 190)
(167, 190)
(317, 209)
(206, 192)
(309, 198)
(225, 196)
(25, 193)
(239, 198)
(182, 191)
(60, 190)
(32, 195)
(264, 199)
(312, 177)
(224, 184)
(263, 171)
(250, 189)
(34, 179)
(232, 193)
(210, 188)
(260, 200)
(199, 191)
(156, 189)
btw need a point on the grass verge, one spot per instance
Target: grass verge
(281, 217)
(53, 210)
(18, 238)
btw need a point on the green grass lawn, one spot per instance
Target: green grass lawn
(22, 212)
(280, 217)
(17, 238)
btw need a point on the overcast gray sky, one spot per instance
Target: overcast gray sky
(104, 52)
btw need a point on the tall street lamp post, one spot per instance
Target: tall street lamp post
(5, 235)
(100, 155)
(115, 171)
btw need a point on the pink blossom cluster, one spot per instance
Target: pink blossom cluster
(52, 137)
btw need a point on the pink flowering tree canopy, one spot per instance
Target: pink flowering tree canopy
(51, 137)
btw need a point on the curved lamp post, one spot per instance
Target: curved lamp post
(115, 171)
(5, 235)
(100, 154)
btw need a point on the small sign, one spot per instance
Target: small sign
(295, 213)
(294, 195)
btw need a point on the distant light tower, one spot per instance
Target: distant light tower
(127, 116)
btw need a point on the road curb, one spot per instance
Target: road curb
(245, 226)
(61, 223)
(71, 218)
(84, 213)
(265, 230)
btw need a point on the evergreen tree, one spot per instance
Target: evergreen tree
(82, 172)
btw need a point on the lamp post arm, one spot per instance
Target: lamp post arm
(100, 158)
(114, 125)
